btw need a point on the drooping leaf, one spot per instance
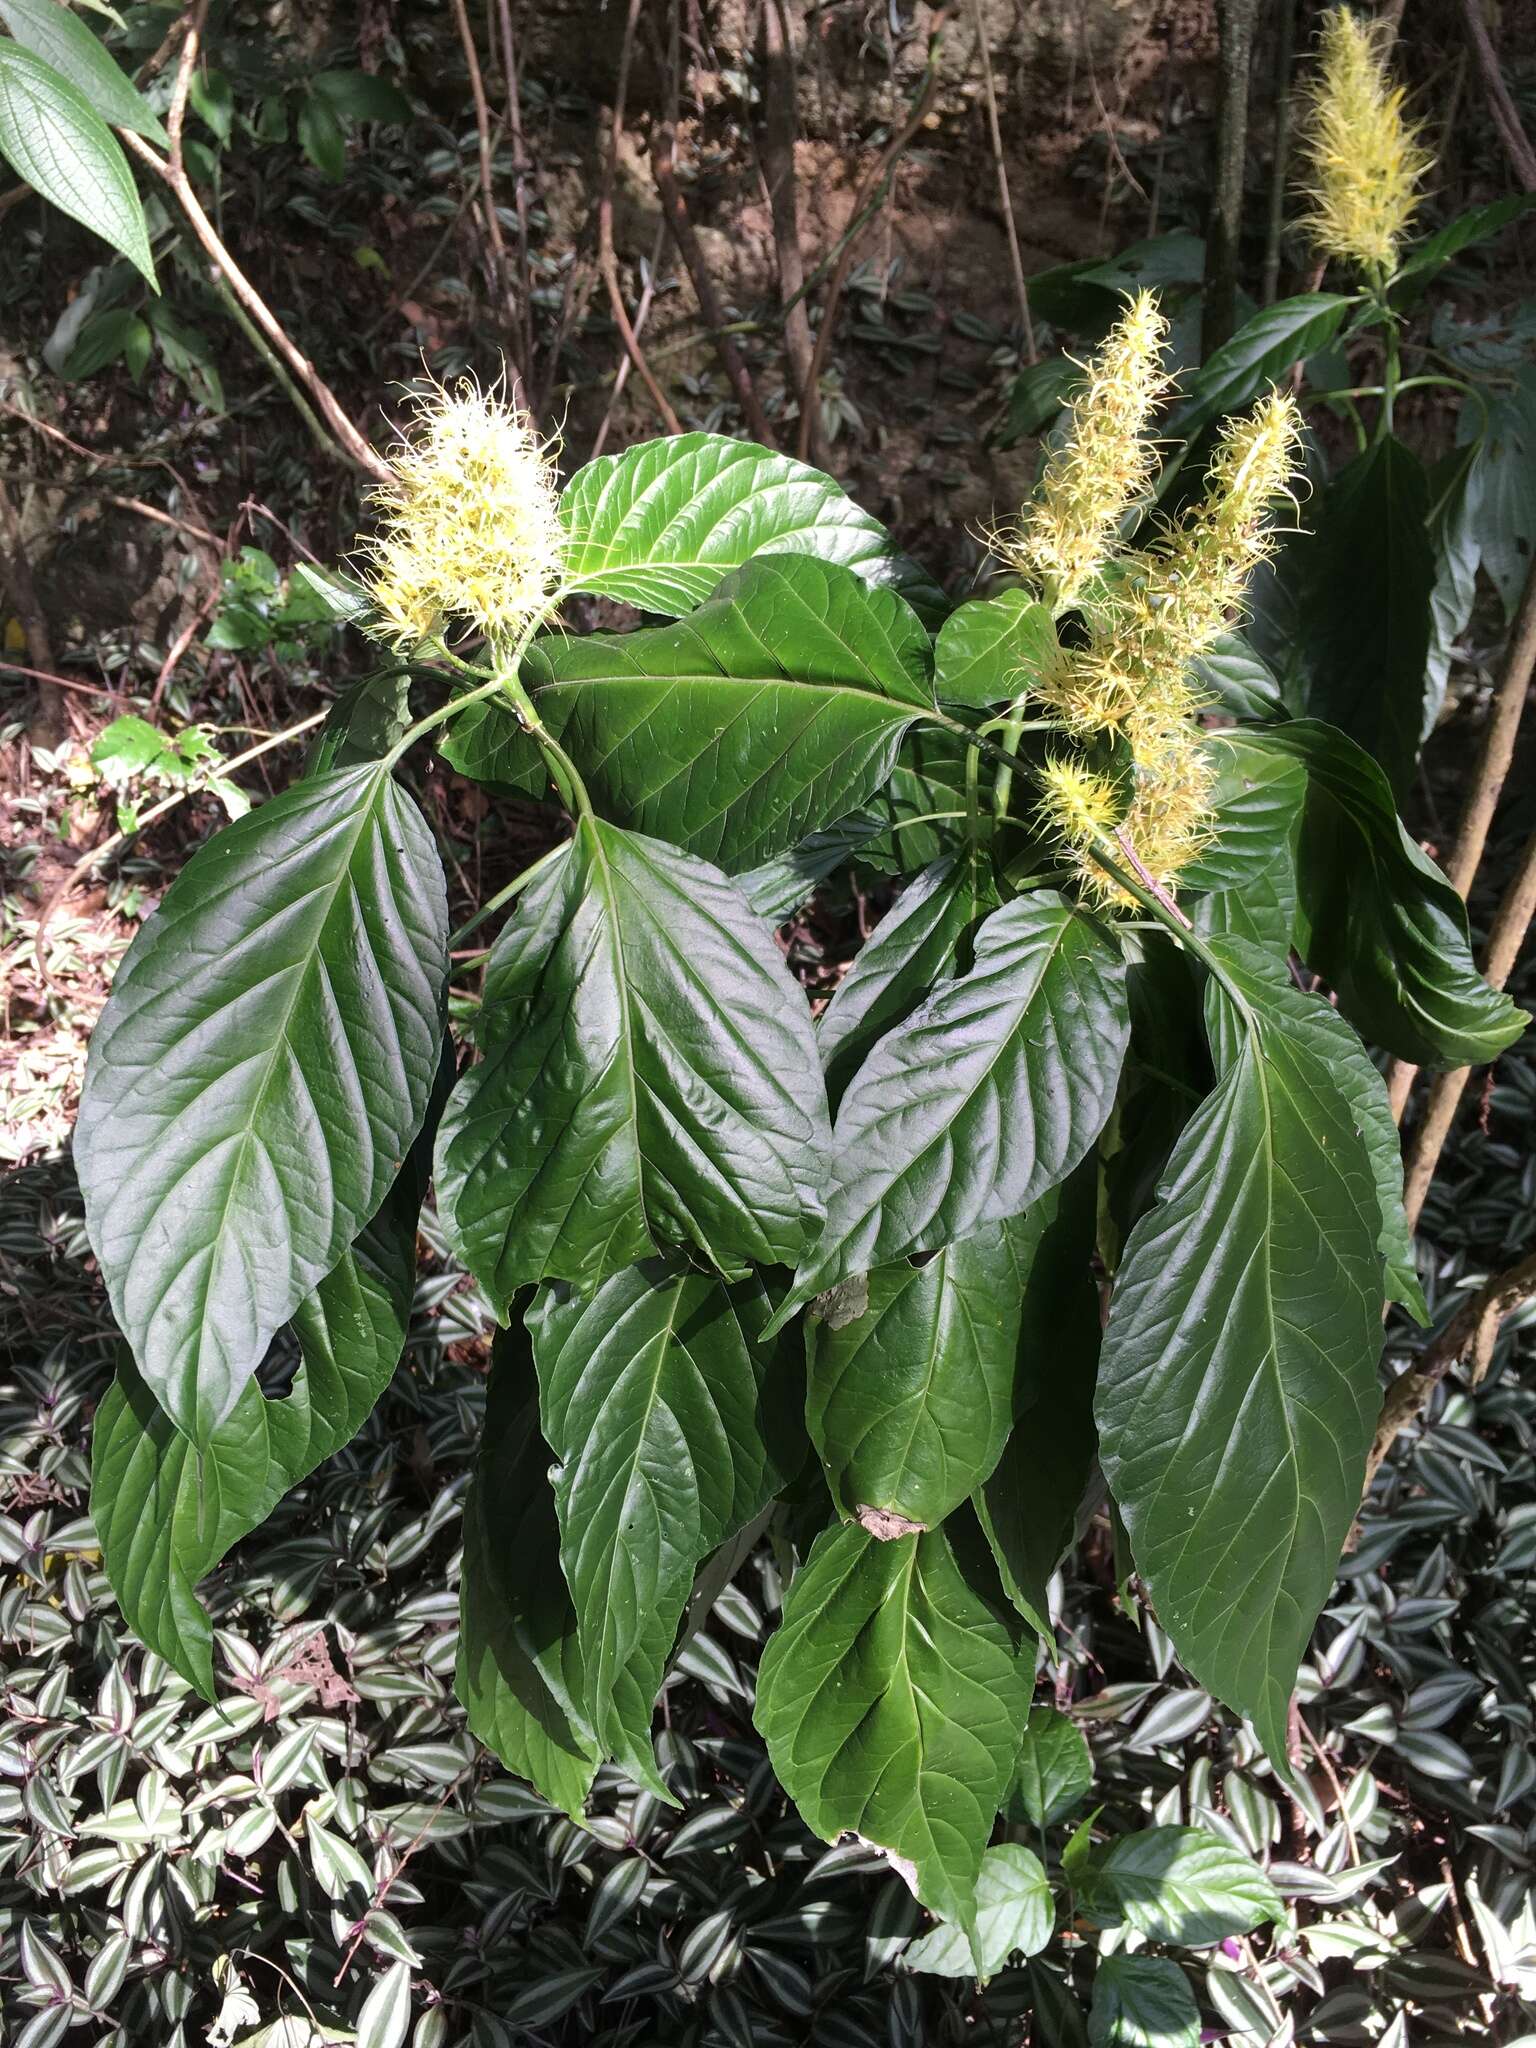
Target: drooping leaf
(1029, 1506)
(53, 137)
(891, 1703)
(1239, 682)
(1458, 550)
(1053, 1771)
(1255, 803)
(1142, 2001)
(257, 1077)
(921, 940)
(781, 885)
(909, 1404)
(1014, 1916)
(1501, 492)
(992, 649)
(1237, 1385)
(1368, 573)
(50, 31)
(769, 713)
(1260, 353)
(923, 803)
(520, 1672)
(1176, 1884)
(650, 1079)
(985, 1097)
(365, 721)
(660, 524)
(673, 1423)
(1393, 942)
(1478, 224)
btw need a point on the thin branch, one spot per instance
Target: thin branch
(1506, 116)
(995, 132)
(607, 261)
(1285, 51)
(1224, 227)
(497, 264)
(514, 119)
(675, 208)
(777, 133)
(16, 570)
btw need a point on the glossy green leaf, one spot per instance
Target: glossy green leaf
(257, 1077)
(1501, 492)
(50, 31)
(1053, 1772)
(986, 1096)
(1255, 804)
(1458, 550)
(1014, 1916)
(770, 712)
(1029, 1506)
(55, 140)
(782, 884)
(910, 1402)
(1391, 937)
(1478, 224)
(923, 938)
(366, 720)
(1368, 573)
(993, 648)
(1237, 1386)
(1261, 352)
(520, 1672)
(650, 1079)
(660, 524)
(672, 1423)
(891, 1703)
(923, 802)
(1142, 2001)
(1176, 1884)
(165, 1516)
(1238, 681)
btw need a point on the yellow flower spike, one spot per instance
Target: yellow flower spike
(1362, 159)
(471, 522)
(1103, 464)
(1075, 803)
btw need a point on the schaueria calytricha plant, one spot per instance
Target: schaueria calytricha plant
(838, 1282)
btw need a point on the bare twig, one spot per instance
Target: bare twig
(1285, 50)
(607, 260)
(1471, 1334)
(178, 647)
(37, 675)
(871, 198)
(642, 314)
(496, 245)
(1498, 751)
(675, 208)
(514, 119)
(776, 136)
(1000, 168)
(1506, 116)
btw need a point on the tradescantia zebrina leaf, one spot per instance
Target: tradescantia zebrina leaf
(892, 1703)
(650, 1079)
(987, 1095)
(660, 524)
(769, 713)
(257, 1077)
(673, 1424)
(1237, 1385)
(1378, 920)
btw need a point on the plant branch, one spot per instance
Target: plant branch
(1506, 116)
(777, 132)
(607, 260)
(1285, 51)
(1005, 198)
(1235, 19)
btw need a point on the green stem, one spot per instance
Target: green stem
(1112, 858)
(513, 888)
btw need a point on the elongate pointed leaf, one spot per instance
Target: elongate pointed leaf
(660, 524)
(1142, 2001)
(1393, 942)
(1053, 1772)
(673, 1425)
(53, 137)
(891, 1703)
(985, 1097)
(1176, 1884)
(650, 1079)
(769, 713)
(258, 1075)
(50, 31)
(1237, 1387)
(1264, 349)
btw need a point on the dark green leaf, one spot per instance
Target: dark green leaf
(362, 96)
(987, 1095)
(1478, 224)
(1393, 942)
(257, 1077)
(1368, 572)
(672, 1424)
(322, 137)
(62, 40)
(54, 139)
(520, 1672)
(1142, 2002)
(928, 778)
(1176, 1885)
(891, 1704)
(365, 721)
(1458, 550)
(344, 601)
(1255, 804)
(781, 885)
(923, 938)
(1240, 683)
(1053, 1772)
(1237, 1386)
(1034, 397)
(103, 338)
(1014, 1916)
(662, 523)
(992, 648)
(770, 712)
(1501, 493)
(650, 1079)
(909, 1403)
(1258, 355)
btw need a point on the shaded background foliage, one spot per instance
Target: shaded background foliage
(166, 1872)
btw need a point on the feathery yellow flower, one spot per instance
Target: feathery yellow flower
(1102, 465)
(1075, 803)
(471, 522)
(1362, 157)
